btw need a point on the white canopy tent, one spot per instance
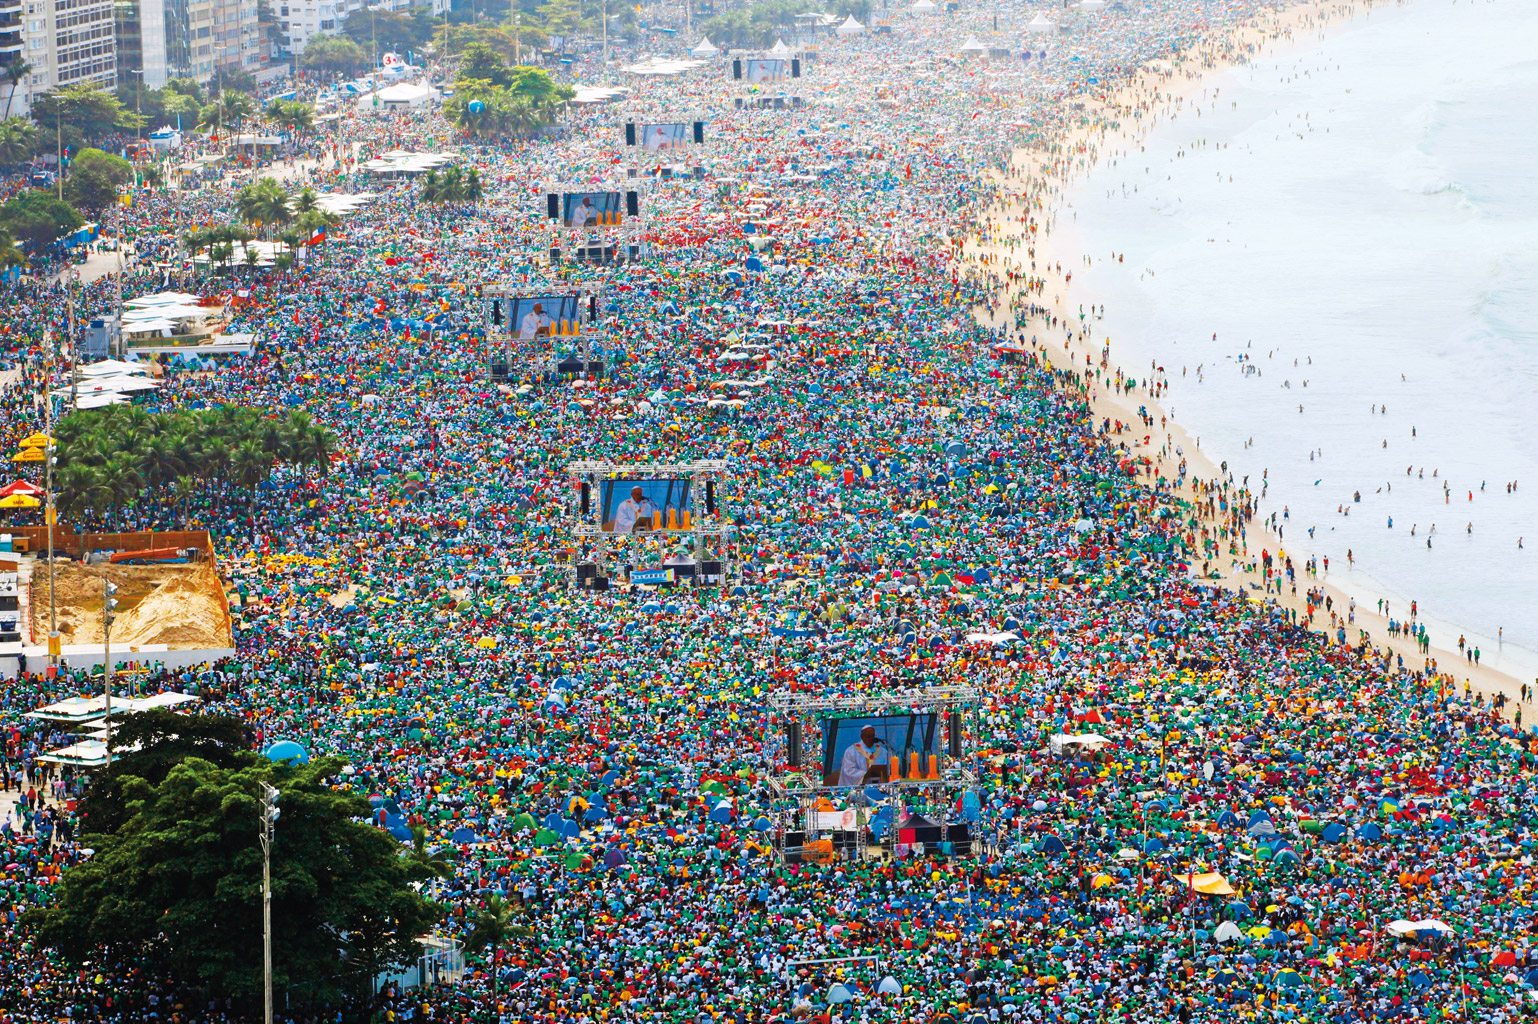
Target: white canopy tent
(779, 47)
(973, 46)
(850, 27)
(113, 367)
(1091, 5)
(924, 7)
(1041, 24)
(706, 48)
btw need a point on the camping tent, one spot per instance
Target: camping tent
(849, 28)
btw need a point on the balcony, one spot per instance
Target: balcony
(10, 7)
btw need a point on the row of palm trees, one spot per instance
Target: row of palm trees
(292, 220)
(108, 457)
(453, 186)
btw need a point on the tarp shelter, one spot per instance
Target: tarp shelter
(850, 28)
(1062, 743)
(1208, 884)
(1411, 929)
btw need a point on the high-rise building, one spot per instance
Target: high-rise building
(238, 45)
(301, 19)
(65, 42)
(164, 39)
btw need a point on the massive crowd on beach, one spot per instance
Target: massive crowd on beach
(922, 494)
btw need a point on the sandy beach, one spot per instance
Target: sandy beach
(1030, 232)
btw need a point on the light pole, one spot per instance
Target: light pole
(51, 513)
(269, 812)
(108, 613)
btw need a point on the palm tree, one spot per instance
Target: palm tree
(10, 256)
(305, 202)
(263, 203)
(493, 927)
(15, 70)
(18, 140)
(251, 464)
(473, 190)
(316, 450)
(434, 861)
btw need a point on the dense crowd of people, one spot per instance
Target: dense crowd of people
(920, 495)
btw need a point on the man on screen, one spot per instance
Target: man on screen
(534, 323)
(637, 506)
(865, 761)
(584, 214)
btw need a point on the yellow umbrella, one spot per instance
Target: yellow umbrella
(19, 501)
(37, 441)
(29, 455)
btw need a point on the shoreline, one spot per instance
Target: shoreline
(1039, 187)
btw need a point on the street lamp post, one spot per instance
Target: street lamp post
(51, 513)
(269, 812)
(108, 614)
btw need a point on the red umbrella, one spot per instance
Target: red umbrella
(30, 490)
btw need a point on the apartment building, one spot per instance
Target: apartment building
(65, 42)
(164, 39)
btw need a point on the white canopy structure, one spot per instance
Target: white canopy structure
(924, 7)
(779, 47)
(113, 368)
(1091, 5)
(661, 67)
(399, 162)
(850, 27)
(398, 97)
(706, 48)
(1041, 24)
(163, 299)
(973, 46)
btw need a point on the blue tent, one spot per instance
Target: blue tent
(1227, 819)
(1052, 844)
(464, 835)
(1369, 832)
(1334, 832)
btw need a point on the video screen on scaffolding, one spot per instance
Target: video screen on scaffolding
(543, 316)
(660, 138)
(763, 69)
(645, 505)
(591, 209)
(861, 751)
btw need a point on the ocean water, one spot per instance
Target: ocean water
(1356, 220)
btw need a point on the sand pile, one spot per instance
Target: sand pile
(176, 605)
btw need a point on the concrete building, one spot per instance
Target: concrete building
(67, 42)
(300, 19)
(195, 39)
(165, 39)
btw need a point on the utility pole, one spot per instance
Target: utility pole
(269, 812)
(108, 613)
(50, 514)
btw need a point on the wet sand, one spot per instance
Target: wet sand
(1036, 189)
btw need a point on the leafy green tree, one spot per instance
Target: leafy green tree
(560, 17)
(94, 178)
(479, 61)
(391, 32)
(176, 887)
(38, 218)
(337, 55)
(433, 860)
(18, 141)
(146, 747)
(83, 114)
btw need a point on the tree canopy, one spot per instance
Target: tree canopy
(83, 114)
(39, 218)
(338, 55)
(492, 97)
(107, 456)
(94, 178)
(177, 885)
